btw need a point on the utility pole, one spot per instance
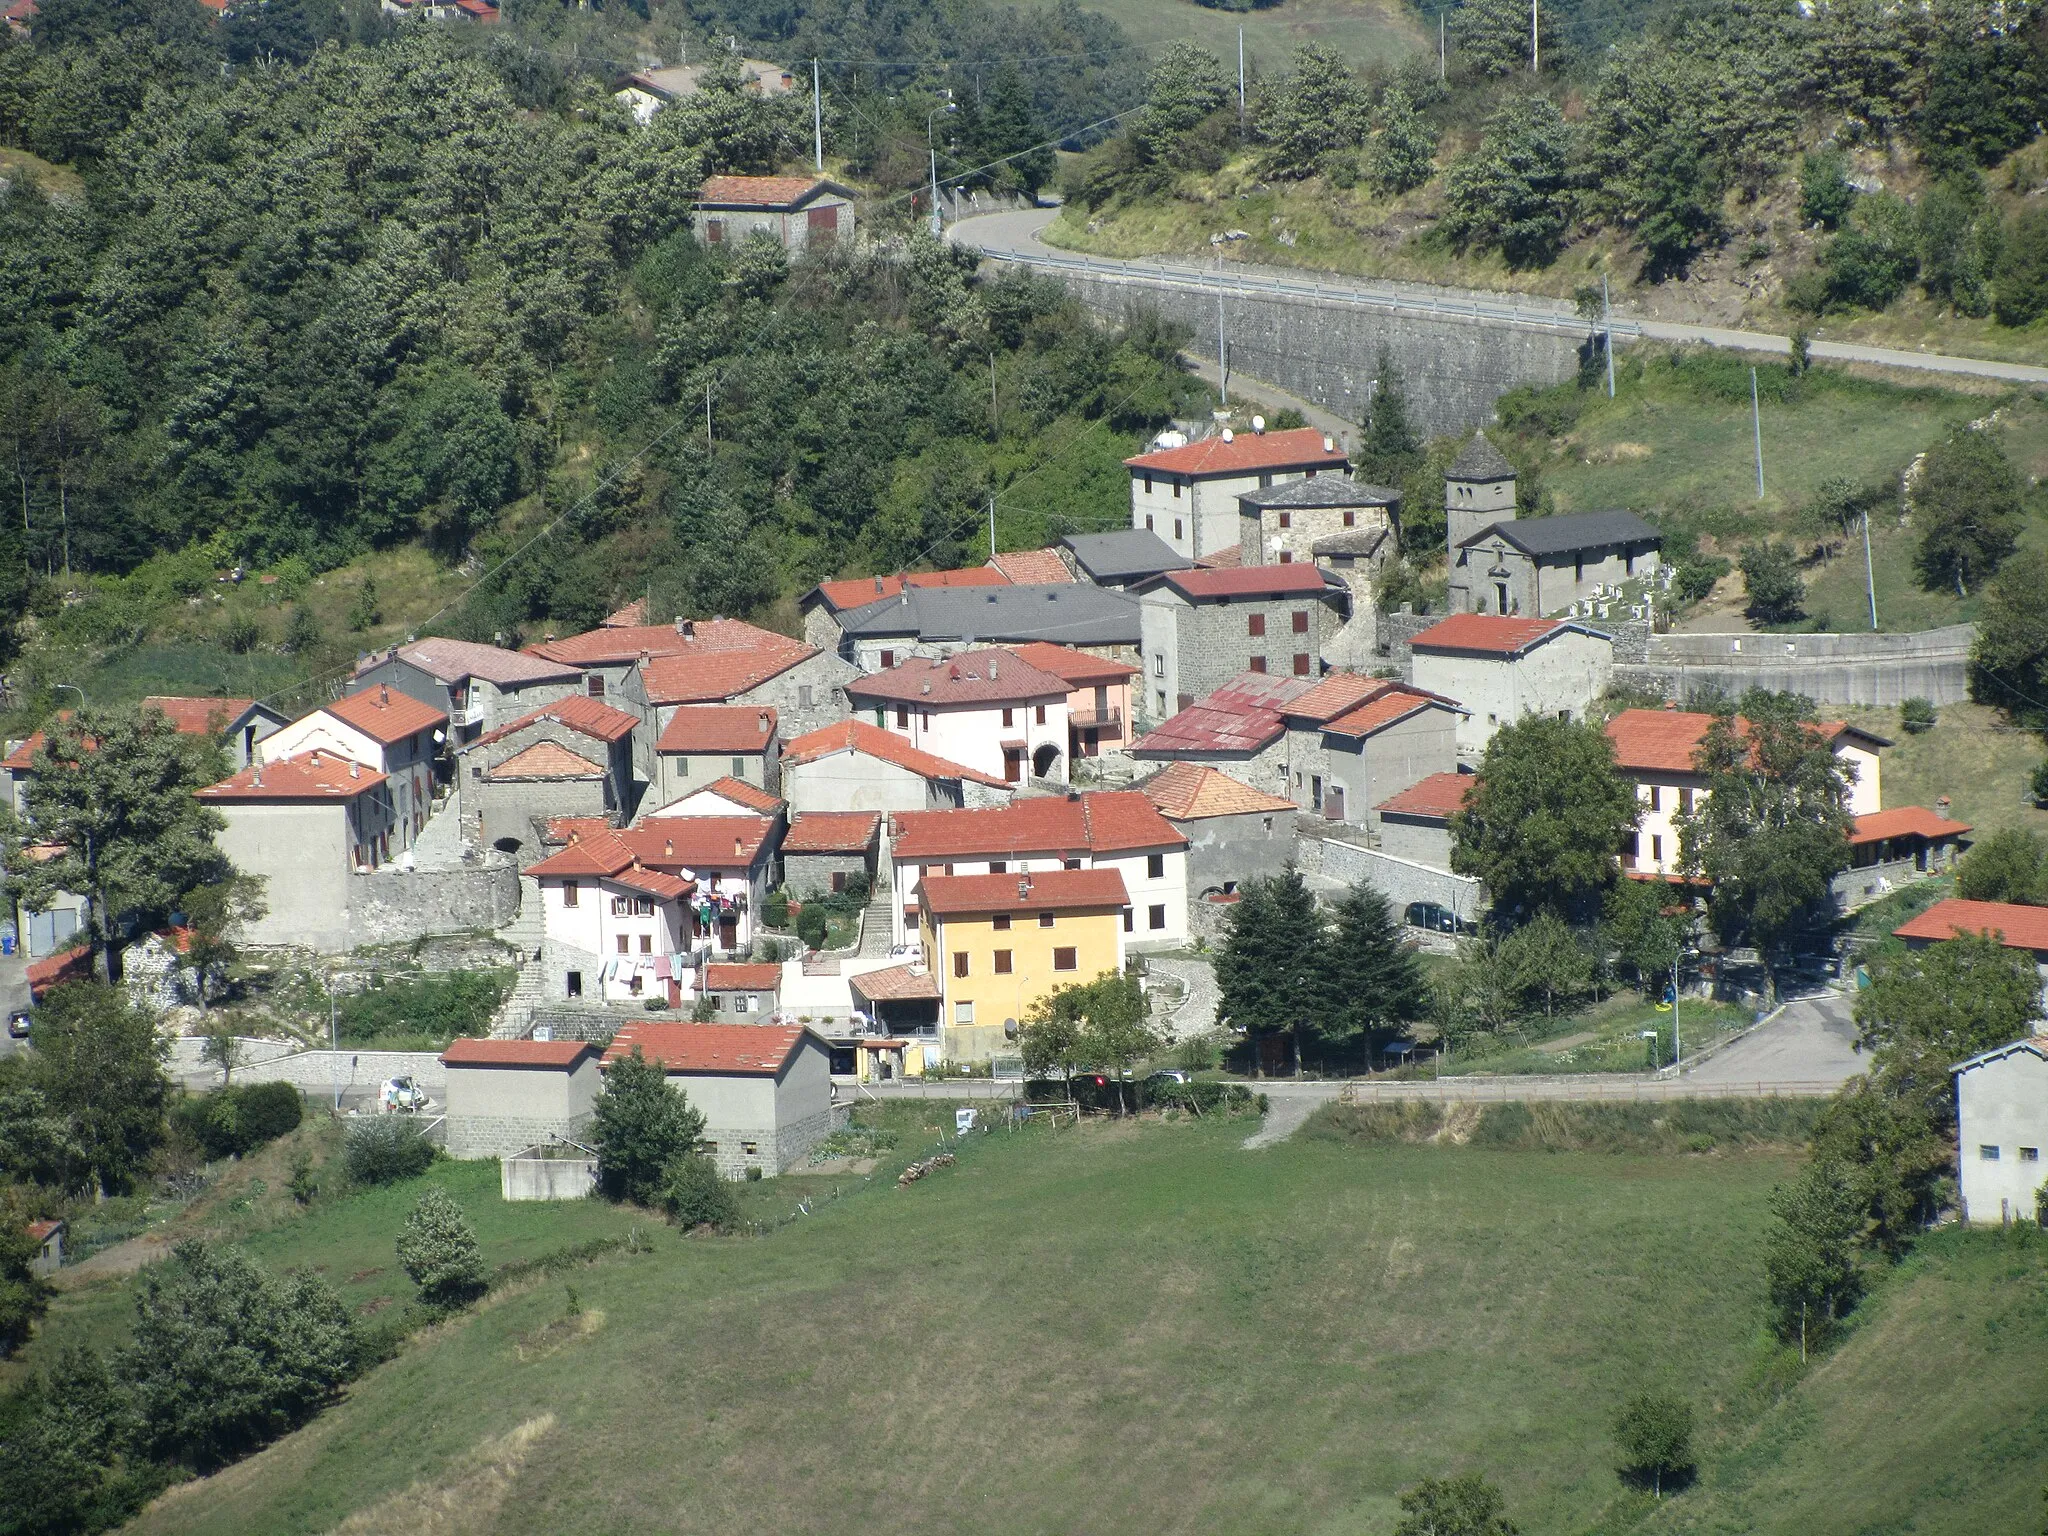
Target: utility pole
(995, 411)
(1442, 51)
(1535, 47)
(1607, 328)
(1222, 341)
(707, 414)
(817, 119)
(991, 525)
(1240, 79)
(1869, 580)
(931, 147)
(1756, 417)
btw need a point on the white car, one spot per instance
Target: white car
(401, 1094)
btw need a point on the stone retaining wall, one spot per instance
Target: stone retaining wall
(391, 906)
(1402, 880)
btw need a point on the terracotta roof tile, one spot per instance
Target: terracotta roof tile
(1376, 714)
(2017, 926)
(1242, 716)
(569, 829)
(654, 882)
(1076, 669)
(585, 716)
(1047, 890)
(738, 791)
(1438, 797)
(19, 759)
(873, 741)
(546, 760)
(199, 717)
(896, 984)
(1905, 821)
(742, 978)
(1333, 694)
(453, 660)
(755, 191)
(384, 714)
(1194, 791)
(672, 844)
(55, 970)
(833, 832)
(970, 677)
(859, 591)
(1245, 453)
(718, 728)
(315, 775)
(1244, 581)
(516, 1053)
(1486, 634)
(1033, 567)
(616, 645)
(1105, 822)
(747, 1050)
(1223, 559)
(711, 677)
(1668, 740)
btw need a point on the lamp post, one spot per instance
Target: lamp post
(932, 149)
(74, 688)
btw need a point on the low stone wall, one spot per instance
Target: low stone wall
(546, 1178)
(472, 1136)
(321, 1071)
(1860, 887)
(391, 906)
(1402, 880)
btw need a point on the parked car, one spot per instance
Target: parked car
(403, 1095)
(18, 1023)
(1436, 918)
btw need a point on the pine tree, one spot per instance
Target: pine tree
(1391, 448)
(1401, 154)
(1373, 981)
(1270, 971)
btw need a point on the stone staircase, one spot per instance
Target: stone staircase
(874, 924)
(523, 934)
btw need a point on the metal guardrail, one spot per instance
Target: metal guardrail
(1176, 275)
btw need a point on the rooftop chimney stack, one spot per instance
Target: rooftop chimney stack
(383, 695)
(761, 722)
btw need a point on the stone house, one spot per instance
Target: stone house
(1240, 729)
(945, 621)
(572, 757)
(823, 606)
(1121, 558)
(743, 992)
(1187, 494)
(1502, 670)
(2001, 1127)
(859, 766)
(1656, 749)
(1353, 741)
(825, 850)
(479, 687)
(504, 1096)
(765, 1091)
(714, 741)
(305, 826)
(986, 709)
(381, 728)
(1098, 695)
(799, 212)
(1550, 564)
(1201, 628)
(1282, 526)
(1416, 824)
(1234, 832)
(645, 92)
(1888, 849)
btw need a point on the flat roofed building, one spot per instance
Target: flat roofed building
(504, 1096)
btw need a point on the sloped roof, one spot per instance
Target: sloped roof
(1046, 890)
(1033, 567)
(1333, 694)
(970, 677)
(1539, 536)
(896, 984)
(721, 1050)
(516, 1053)
(1480, 460)
(859, 591)
(315, 775)
(717, 728)
(709, 677)
(1103, 822)
(1322, 491)
(1066, 613)
(1488, 634)
(1245, 453)
(547, 760)
(385, 715)
(196, 717)
(1222, 559)
(453, 660)
(1195, 791)
(1210, 585)
(671, 844)
(1905, 821)
(1377, 713)
(1125, 554)
(832, 832)
(763, 191)
(1350, 541)
(738, 791)
(873, 741)
(1436, 798)
(655, 882)
(1668, 740)
(1075, 668)
(739, 977)
(585, 716)
(1239, 718)
(2018, 927)
(615, 644)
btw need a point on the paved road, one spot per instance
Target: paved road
(1812, 1040)
(1015, 236)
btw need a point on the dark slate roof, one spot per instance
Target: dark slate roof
(1350, 541)
(1323, 491)
(1480, 460)
(1124, 555)
(1539, 536)
(1068, 613)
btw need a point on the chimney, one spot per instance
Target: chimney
(1329, 443)
(689, 629)
(1023, 887)
(383, 695)
(761, 722)
(681, 625)
(668, 847)
(355, 770)
(738, 849)
(645, 657)
(316, 757)
(1941, 806)
(878, 586)
(258, 767)
(991, 669)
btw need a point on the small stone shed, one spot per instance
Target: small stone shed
(507, 1095)
(747, 991)
(824, 850)
(765, 1090)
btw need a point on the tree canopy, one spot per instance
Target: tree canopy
(1968, 500)
(641, 1126)
(1544, 824)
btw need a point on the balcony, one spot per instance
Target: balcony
(1109, 722)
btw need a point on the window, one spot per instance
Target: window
(1266, 483)
(682, 767)
(888, 660)
(1287, 557)
(751, 1148)
(1656, 850)
(1286, 519)
(621, 942)
(1256, 664)
(1988, 1154)
(1159, 701)
(998, 866)
(477, 772)
(572, 984)
(1177, 528)
(1045, 919)
(963, 1012)
(1155, 866)
(1301, 663)
(1009, 718)
(570, 893)
(1685, 801)
(1656, 798)
(633, 985)
(1001, 923)
(1255, 626)
(1631, 562)
(1148, 482)
(717, 1003)
(1148, 522)
(959, 962)
(1156, 918)
(739, 767)
(1073, 864)
(1176, 497)
(804, 697)
(1159, 667)
(2030, 1154)
(622, 906)
(1041, 714)
(707, 1149)
(714, 231)
(1350, 519)
(1301, 621)
(1128, 926)
(838, 882)
(595, 686)
(646, 943)
(1063, 960)
(1002, 962)
(643, 906)
(902, 717)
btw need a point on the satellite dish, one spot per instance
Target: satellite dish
(1229, 436)
(1009, 1029)
(1258, 423)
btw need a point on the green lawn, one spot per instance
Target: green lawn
(1616, 1044)
(1981, 764)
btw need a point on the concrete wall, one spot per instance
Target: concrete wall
(302, 854)
(1227, 850)
(389, 906)
(546, 1178)
(1875, 671)
(1419, 842)
(496, 1111)
(1561, 676)
(186, 1062)
(2002, 1105)
(1378, 767)
(317, 1072)
(1402, 880)
(782, 1119)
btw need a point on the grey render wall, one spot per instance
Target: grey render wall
(496, 1111)
(389, 906)
(1227, 849)
(1402, 881)
(1207, 644)
(1383, 764)
(1452, 368)
(1874, 671)
(301, 852)
(1418, 841)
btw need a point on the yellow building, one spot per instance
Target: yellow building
(998, 943)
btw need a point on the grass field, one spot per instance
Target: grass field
(1367, 31)
(1606, 1037)
(1981, 764)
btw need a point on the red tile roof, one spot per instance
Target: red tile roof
(569, 829)
(385, 715)
(2017, 926)
(755, 191)
(1047, 890)
(18, 760)
(1905, 821)
(859, 591)
(41, 1230)
(1667, 740)
(1077, 669)
(632, 616)
(197, 717)
(55, 970)
(1485, 634)
(873, 741)
(742, 978)
(546, 760)
(970, 677)
(616, 645)
(749, 1050)
(711, 677)
(1193, 791)
(718, 728)
(1333, 695)
(315, 775)
(833, 832)
(896, 983)
(453, 660)
(1377, 713)
(738, 791)
(585, 716)
(1033, 567)
(1244, 581)
(1436, 798)
(1242, 716)
(1245, 453)
(663, 887)
(669, 844)
(516, 1053)
(1223, 559)
(1100, 823)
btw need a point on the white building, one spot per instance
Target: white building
(1188, 494)
(856, 766)
(613, 930)
(2001, 1127)
(1123, 831)
(384, 730)
(765, 1090)
(1656, 749)
(1503, 670)
(987, 710)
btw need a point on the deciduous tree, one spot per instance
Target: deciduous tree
(23, 1293)
(1514, 193)
(1401, 154)
(1653, 1431)
(1454, 1506)
(1544, 824)
(1809, 1261)
(1770, 576)
(439, 1250)
(641, 1126)
(2009, 865)
(1313, 111)
(1968, 503)
(2009, 662)
(98, 1069)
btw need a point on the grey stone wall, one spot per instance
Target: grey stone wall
(809, 696)
(1226, 849)
(471, 1136)
(809, 874)
(1453, 367)
(1402, 880)
(1395, 630)
(1873, 671)
(390, 906)
(1855, 888)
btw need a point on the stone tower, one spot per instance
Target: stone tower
(1479, 491)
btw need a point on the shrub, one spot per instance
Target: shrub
(1825, 195)
(1770, 576)
(775, 912)
(231, 1122)
(694, 1195)
(1917, 715)
(438, 1249)
(1695, 578)
(241, 635)
(810, 925)
(2039, 783)
(437, 1005)
(385, 1150)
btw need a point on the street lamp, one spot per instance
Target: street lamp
(932, 149)
(74, 688)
